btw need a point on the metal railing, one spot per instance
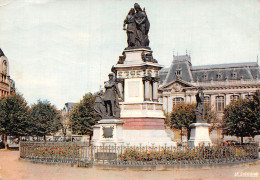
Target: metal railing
(84, 155)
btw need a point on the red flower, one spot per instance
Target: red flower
(56, 148)
(126, 151)
(75, 144)
(46, 149)
(60, 151)
(148, 154)
(137, 157)
(52, 148)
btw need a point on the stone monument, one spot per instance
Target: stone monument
(136, 79)
(109, 128)
(199, 129)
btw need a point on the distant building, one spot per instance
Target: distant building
(68, 107)
(65, 116)
(7, 85)
(221, 83)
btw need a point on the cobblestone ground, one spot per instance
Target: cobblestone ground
(12, 168)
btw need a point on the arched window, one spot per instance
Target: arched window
(220, 102)
(177, 101)
(234, 97)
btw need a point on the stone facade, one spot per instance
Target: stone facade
(7, 85)
(221, 83)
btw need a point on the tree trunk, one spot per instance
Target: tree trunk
(90, 138)
(64, 133)
(5, 141)
(241, 141)
(181, 135)
(188, 130)
(44, 137)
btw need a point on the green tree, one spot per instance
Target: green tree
(83, 116)
(45, 118)
(241, 118)
(184, 114)
(14, 119)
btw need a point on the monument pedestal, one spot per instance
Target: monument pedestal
(142, 114)
(199, 134)
(108, 132)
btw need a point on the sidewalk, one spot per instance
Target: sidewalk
(11, 168)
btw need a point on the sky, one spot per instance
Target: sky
(58, 50)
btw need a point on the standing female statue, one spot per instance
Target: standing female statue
(131, 28)
(142, 26)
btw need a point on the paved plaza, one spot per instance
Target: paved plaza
(11, 168)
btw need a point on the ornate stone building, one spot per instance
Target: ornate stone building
(221, 83)
(7, 85)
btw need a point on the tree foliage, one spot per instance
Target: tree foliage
(45, 118)
(242, 117)
(83, 115)
(184, 114)
(14, 119)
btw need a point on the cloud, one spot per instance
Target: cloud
(37, 1)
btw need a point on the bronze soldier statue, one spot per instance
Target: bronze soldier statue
(200, 109)
(111, 97)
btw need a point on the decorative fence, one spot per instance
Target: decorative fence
(84, 155)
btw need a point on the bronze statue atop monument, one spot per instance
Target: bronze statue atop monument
(200, 109)
(138, 27)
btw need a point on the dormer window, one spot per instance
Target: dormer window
(205, 76)
(178, 71)
(233, 75)
(219, 76)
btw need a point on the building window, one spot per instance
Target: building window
(234, 97)
(219, 76)
(177, 101)
(249, 97)
(178, 71)
(207, 100)
(220, 103)
(205, 76)
(233, 75)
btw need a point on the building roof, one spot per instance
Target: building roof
(181, 68)
(224, 66)
(1, 53)
(70, 104)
